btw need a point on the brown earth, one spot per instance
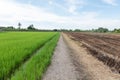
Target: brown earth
(105, 47)
(92, 68)
(105, 42)
(71, 61)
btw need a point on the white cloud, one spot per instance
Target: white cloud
(29, 2)
(75, 2)
(111, 2)
(73, 5)
(50, 2)
(70, 6)
(72, 9)
(12, 12)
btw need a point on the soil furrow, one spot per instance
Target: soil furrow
(92, 67)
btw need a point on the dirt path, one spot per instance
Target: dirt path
(72, 62)
(61, 67)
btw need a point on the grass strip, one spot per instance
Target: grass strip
(35, 67)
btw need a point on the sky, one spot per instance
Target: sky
(61, 14)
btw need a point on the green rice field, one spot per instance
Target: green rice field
(25, 55)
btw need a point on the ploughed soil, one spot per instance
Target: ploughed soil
(105, 42)
(105, 47)
(73, 60)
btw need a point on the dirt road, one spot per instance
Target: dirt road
(61, 67)
(71, 62)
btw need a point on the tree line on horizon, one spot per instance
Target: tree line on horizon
(11, 28)
(32, 28)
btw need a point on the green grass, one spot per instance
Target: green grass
(16, 46)
(35, 67)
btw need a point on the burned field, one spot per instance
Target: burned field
(105, 47)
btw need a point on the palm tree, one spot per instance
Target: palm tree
(19, 25)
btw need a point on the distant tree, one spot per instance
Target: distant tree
(101, 29)
(7, 28)
(10, 28)
(116, 30)
(19, 25)
(77, 30)
(2, 28)
(31, 27)
(55, 30)
(70, 30)
(64, 30)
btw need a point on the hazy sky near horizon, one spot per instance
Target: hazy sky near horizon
(68, 14)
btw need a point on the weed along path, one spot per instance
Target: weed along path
(61, 67)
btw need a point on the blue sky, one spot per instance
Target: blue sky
(59, 14)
